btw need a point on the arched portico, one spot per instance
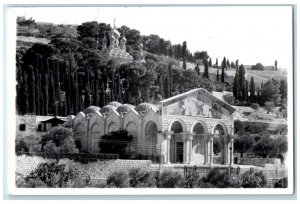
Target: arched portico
(151, 139)
(199, 143)
(219, 144)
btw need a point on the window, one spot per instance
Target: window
(22, 127)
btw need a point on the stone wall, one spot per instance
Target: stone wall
(259, 161)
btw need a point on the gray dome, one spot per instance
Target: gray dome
(91, 109)
(125, 108)
(144, 107)
(115, 103)
(107, 109)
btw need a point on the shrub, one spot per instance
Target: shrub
(282, 183)
(229, 98)
(252, 179)
(169, 179)
(269, 106)
(255, 106)
(30, 143)
(118, 180)
(51, 175)
(216, 179)
(191, 179)
(140, 178)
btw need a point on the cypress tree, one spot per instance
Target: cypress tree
(242, 83)
(96, 92)
(76, 96)
(197, 69)
(184, 54)
(206, 73)
(46, 93)
(36, 81)
(275, 65)
(252, 90)
(52, 93)
(217, 64)
(41, 100)
(236, 88)
(171, 79)
(87, 98)
(166, 87)
(217, 75)
(102, 100)
(31, 82)
(210, 63)
(223, 70)
(246, 90)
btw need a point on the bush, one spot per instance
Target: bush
(282, 183)
(255, 106)
(169, 179)
(229, 98)
(30, 143)
(140, 178)
(51, 175)
(216, 179)
(118, 180)
(191, 179)
(254, 180)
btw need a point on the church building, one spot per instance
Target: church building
(187, 128)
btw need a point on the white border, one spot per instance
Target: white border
(11, 42)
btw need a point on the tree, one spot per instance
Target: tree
(255, 106)
(229, 98)
(210, 63)
(88, 29)
(232, 64)
(236, 86)
(217, 63)
(116, 143)
(269, 106)
(283, 89)
(206, 73)
(201, 55)
(58, 140)
(184, 54)
(263, 147)
(275, 65)
(243, 143)
(223, 70)
(51, 175)
(258, 66)
(254, 180)
(252, 89)
(197, 69)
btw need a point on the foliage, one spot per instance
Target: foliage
(229, 98)
(51, 175)
(264, 147)
(141, 178)
(254, 106)
(243, 143)
(191, 179)
(201, 55)
(282, 183)
(254, 180)
(258, 66)
(116, 143)
(118, 180)
(58, 140)
(271, 92)
(88, 29)
(269, 106)
(169, 179)
(30, 143)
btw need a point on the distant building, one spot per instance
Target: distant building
(180, 129)
(37, 124)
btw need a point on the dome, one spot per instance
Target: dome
(125, 108)
(115, 103)
(91, 109)
(108, 108)
(115, 32)
(144, 107)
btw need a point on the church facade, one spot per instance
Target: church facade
(191, 128)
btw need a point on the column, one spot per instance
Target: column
(231, 151)
(205, 149)
(190, 148)
(185, 148)
(225, 152)
(211, 149)
(168, 137)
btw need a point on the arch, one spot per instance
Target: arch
(220, 146)
(199, 142)
(151, 138)
(132, 130)
(112, 127)
(80, 134)
(177, 127)
(177, 122)
(95, 134)
(199, 123)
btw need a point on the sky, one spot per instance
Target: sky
(249, 34)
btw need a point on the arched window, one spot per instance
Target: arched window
(132, 130)
(151, 138)
(112, 127)
(95, 138)
(198, 139)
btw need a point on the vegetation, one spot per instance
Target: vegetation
(243, 143)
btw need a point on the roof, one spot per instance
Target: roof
(144, 107)
(54, 120)
(200, 93)
(115, 103)
(125, 108)
(107, 109)
(91, 109)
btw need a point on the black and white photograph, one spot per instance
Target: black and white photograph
(151, 99)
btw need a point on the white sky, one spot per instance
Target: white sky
(250, 34)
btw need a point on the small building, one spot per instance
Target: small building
(37, 124)
(182, 129)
